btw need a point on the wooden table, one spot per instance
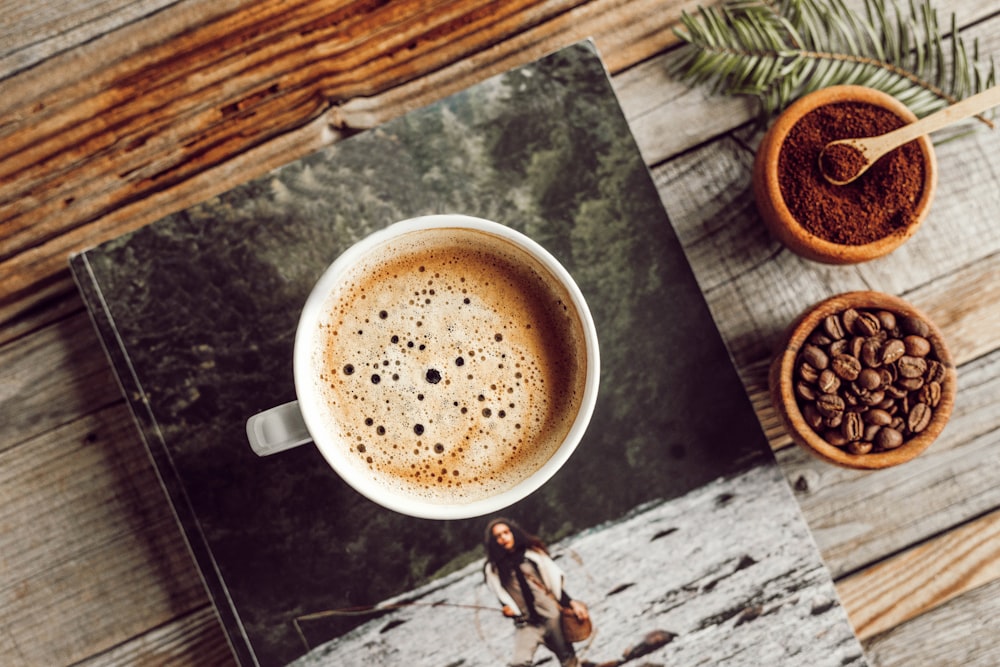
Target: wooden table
(117, 113)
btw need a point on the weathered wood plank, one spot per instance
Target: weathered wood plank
(907, 585)
(91, 552)
(926, 640)
(31, 33)
(53, 377)
(195, 639)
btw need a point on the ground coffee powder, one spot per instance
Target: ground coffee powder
(882, 201)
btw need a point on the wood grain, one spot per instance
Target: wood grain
(922, 642)
(92, 553)
(52, 378)
(30, 34)
(191, 639)
(927, 576)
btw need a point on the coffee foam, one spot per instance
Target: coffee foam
(452, 364)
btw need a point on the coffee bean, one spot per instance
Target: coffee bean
(886, 319)
(895, 391)
(869, 378)
(917, 346)
(815, 357)
(914, 325)
(867, 324)
(919, 417)
(808, 373)
(830, 405)
(820, 338)
(812, 416)
(835, 438)
(911, 367)
(930, 394)
(892, 350)
(871, 353)
(828, 382)
(853, 427)
(871, 398)
(859, 447)
(849, 317)
(833, 327)
(877, 417)
(846, 367)
(935, 371)
(888, 438)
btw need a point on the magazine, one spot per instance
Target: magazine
(671, 521)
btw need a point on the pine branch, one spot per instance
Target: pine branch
(778, 50)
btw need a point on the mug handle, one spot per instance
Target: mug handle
(277, 429)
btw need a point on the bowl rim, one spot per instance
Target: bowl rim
(781, 384)
(768, 191)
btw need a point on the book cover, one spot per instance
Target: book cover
(671, 520)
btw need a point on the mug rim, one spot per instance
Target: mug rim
(354, 475)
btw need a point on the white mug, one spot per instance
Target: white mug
(301, 421)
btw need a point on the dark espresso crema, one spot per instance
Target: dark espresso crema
(452, 364)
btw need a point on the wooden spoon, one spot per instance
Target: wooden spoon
(844, 160)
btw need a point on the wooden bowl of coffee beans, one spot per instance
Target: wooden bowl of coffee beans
(842, 224)
(863, 380)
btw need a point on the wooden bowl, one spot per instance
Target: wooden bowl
(783, 378)
(771, 204)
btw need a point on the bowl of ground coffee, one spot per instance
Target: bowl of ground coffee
(842, 224)
(863, 380)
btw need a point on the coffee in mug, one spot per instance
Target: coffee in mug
(446, 366)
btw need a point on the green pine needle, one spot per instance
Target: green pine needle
(778, 50)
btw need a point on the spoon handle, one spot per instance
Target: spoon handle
(970, 106)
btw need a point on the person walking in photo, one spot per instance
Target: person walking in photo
(529, 586)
